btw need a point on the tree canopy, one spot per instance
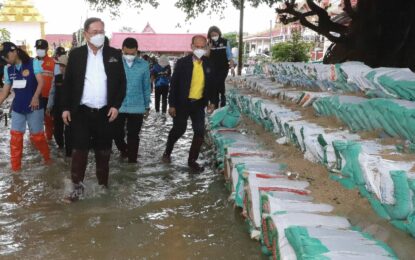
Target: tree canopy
(293, 50)
(376, 32)
(4, 35)
(232, 37)
(192, 8)
(380, 33)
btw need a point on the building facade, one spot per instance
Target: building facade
(24, 23)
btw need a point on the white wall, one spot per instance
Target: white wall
(24, 32)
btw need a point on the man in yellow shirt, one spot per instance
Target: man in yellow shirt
(191, 91)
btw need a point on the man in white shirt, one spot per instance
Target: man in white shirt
(94, 89)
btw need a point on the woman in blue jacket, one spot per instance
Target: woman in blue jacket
(136, 104)
(23, 74)
(161, 74)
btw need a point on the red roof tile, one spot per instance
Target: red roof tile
(58, 38)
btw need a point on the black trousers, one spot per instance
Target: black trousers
(133, 123)
(196, 111)
(220, 78)
(62, 133)
(90, 128)
(163, 92)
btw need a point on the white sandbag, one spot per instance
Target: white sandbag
(255, 185)
(279, 205)
(288, 195)
(283, 221)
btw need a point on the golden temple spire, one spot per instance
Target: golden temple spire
(20, 11)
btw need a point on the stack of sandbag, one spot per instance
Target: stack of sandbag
(331, 243)
(255, 184)
(278, 208)
(392, 82)
(247, 166)
(303, 235)
(394, 117)
(223, 138)
(348, 77)
(384, 178)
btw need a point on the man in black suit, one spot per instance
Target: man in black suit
(93, 90)
(191, 90)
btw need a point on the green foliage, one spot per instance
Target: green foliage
(4, 35)
(294, 50)
(232, 38)
(114, 5)
(127, 29)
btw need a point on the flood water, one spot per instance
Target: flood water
(151, 211)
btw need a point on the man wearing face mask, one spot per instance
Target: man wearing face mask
(136, 105)
(221, 58)
(190, 92)
(48, 74)
(94, 89)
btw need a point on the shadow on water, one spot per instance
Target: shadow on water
(151, 210)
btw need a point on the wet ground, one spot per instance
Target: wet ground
(151, 211)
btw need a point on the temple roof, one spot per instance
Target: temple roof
(148, 29)
(20, 11)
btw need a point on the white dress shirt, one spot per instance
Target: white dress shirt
(95, 86)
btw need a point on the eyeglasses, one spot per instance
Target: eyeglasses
(96, 32)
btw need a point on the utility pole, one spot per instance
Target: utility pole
(241, 35)
(270, 35)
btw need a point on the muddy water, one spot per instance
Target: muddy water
(151, 211)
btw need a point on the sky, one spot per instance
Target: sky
(66, 16)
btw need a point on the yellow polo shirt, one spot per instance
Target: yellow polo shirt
(198, 81)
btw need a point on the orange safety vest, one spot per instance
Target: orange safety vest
(48, 67)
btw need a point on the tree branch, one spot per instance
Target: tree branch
(324, 27)
(324, 20)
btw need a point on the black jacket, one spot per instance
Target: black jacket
(182, 79)
(218, 56)
(73, 85)
(58, 93)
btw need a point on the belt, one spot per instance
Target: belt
(192, 100)
(92, 110)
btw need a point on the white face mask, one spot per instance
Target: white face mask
(129, 58)
(41, 53)
(215, 38)
(199, 53)
(97, 40)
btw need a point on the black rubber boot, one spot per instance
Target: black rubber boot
(132, 150)
(102, 158)
(78, 167)
(169, 149)
(194, 154)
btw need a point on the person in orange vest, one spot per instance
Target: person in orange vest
(48, 67)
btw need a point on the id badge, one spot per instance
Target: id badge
(19, 84)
